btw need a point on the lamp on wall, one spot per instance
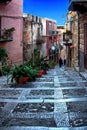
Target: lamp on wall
(53, 48)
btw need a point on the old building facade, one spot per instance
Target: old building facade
(51, 33)
(32, 35)
(80, 6)
(39, 33)
(11, 18)
(72, 25)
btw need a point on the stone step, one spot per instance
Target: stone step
(42, 128)
(44, 100)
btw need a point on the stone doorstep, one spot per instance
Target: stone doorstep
(83, 74)
(42, 128)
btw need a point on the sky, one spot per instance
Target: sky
(53, 9)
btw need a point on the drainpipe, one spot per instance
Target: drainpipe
(32, 44)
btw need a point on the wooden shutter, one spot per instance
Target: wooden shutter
(85, 45)
(0, 26)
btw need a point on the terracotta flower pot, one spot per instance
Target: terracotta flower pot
(44, 72)
(25, 79)
(52, 67)
(21, 80)
(40, 73)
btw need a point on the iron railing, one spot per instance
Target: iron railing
(78, 5)
(77, 1)
(5, 1)
(53, 33)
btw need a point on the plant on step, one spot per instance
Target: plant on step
(32, 73)
(40, 73)
(29, 62)
(19, 72)
(44, 66)
(41, 63)
(52, 64)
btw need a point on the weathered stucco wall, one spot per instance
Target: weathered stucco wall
(75, 40)
(11, 16)
(32, 30)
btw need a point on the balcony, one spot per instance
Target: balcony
(53, 33)
(5, 1)
(78, 5)
(40, 40)
(6, 35)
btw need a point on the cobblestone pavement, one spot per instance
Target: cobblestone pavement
(57, 101)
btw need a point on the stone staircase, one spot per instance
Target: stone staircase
(57, 101)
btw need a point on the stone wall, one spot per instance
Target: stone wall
(82, 46)
(75, 30)
(27, 51)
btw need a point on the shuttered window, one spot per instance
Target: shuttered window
(85, 45)
(0, 26)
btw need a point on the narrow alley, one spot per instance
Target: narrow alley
(43, 65)
(57, 101)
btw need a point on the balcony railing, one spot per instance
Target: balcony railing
(6, 35)
(53, 33)
(78, 5)
(77, 1)
(40, 40)
(5, 1)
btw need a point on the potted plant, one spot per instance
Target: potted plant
(18, 74)
(23, 73)
(41, 65)
(7, 33)
(44, 64)
(52, 64)
(40, 73)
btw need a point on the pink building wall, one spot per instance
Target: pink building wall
(11, 16)
(50, 38)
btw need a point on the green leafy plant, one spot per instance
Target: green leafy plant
(23, 71)
(6, 69)
(52, 64)
(7, 33)
(3, 55)
(44, 63)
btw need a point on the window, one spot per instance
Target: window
(0, 26)
(85, 45)
(50, 26)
